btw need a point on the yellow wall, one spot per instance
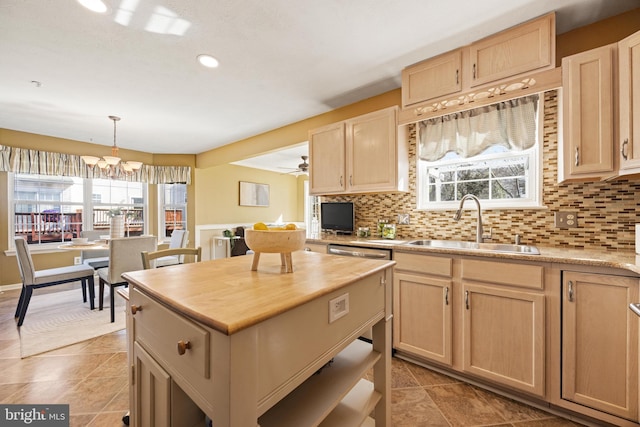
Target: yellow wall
(293, 133)
(217, 196)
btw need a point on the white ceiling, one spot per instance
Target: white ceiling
(280, 61)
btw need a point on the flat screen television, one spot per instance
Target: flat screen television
(337, 216)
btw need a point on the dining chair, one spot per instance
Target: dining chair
(94, 258)
(149, 259)
(34, 279)
(179, 239)
(124, 256)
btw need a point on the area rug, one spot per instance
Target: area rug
(59, 319)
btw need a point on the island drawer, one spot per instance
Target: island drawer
(165, 335)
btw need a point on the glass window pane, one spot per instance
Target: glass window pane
(480, 189)
(47, 209)
(173, 209)
(513, 188)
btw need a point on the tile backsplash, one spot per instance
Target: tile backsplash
(607, 211)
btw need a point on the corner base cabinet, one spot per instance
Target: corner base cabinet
(246, 348)
(600, 342)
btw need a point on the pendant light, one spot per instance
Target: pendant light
(112, 160)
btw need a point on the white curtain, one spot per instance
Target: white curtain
(468, 133)
(22, 160)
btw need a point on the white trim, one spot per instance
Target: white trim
(12, 287)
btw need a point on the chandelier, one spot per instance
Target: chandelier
(107, 162)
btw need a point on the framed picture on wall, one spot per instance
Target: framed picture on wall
(252, 194)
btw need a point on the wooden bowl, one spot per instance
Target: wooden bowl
(275, 241)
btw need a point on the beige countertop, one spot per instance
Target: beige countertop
(226, 295)
(593, 257)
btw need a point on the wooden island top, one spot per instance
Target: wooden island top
(227, 296)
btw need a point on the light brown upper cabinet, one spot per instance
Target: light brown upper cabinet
(518, 50)
(359, 155)
(526, 47)
(432, 78)
(629, 83)
(598, 142)
(327, 159)
(587, 81)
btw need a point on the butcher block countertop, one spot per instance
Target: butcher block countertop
(227, 296)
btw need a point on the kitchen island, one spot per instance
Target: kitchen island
(241, 347)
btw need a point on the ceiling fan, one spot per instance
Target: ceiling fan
(302, 167)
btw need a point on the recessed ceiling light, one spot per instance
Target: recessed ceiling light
(208, 61)
(94, 5)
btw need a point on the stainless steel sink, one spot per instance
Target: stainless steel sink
(482, 247)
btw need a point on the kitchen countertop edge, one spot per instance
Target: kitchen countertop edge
(562, 255)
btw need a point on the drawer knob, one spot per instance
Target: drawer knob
(135, 309)
(183, 346)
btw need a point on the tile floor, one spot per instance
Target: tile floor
(92, 377)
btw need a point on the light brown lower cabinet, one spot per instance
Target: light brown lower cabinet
(558, 333)
(600, 342)
(422, 325)
(500, 327)
(503, 336)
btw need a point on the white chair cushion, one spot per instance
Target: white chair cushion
(62, 273)
(167, 260)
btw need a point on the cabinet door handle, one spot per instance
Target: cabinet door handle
(446, 296)
(183, 346)
(474, 71)
(350, 179)
(466, 299)
(570, 291)
(577, 156)
(135, 309)
(457, 76)
(340, 180)
(623, 150)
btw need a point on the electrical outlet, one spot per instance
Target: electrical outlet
(566, 219)
(403, 219)
(77, 260)
(338, 307)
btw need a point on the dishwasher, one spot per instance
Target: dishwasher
(360, 252)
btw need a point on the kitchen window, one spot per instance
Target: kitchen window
(492, 152)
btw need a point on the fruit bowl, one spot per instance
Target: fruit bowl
(275, 241)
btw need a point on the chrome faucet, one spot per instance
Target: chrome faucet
(456, 217)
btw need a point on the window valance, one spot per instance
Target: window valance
(23, 160)
(468, 133)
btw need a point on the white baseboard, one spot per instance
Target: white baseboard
(4, 288)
